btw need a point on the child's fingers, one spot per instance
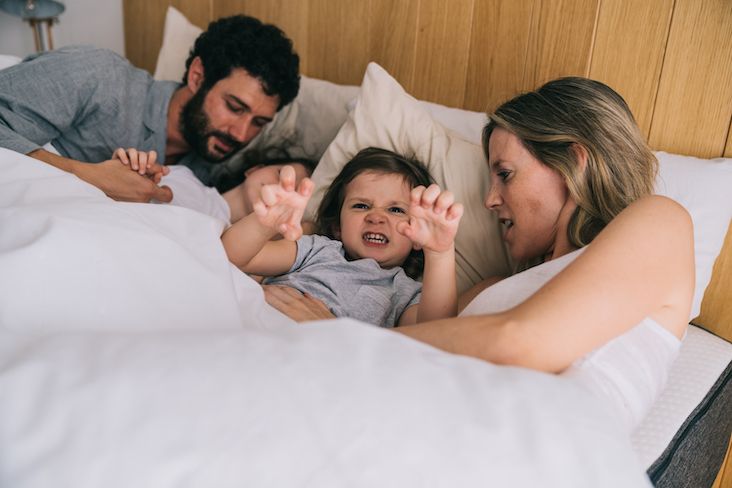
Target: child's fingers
(404, 229)
(288, 178)
(430, 195)
(132, 155)
(455, 211)
(141, 162)
(149, 165)
(306, 187)
(444, 200)
(268, 194)
(121, 154)
(155, 169)
(416, 194)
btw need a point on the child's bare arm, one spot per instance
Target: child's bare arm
(433, 222)
(278, 211)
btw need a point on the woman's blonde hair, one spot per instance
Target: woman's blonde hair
(563, 117)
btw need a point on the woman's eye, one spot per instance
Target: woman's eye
(397, 210)
(503, 174)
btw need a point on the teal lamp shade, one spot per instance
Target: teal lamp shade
(32, 9)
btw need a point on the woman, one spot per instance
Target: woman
(570, 170)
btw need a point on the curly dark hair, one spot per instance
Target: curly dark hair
(328, 218)
(262, 50)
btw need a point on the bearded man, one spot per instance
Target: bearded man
(91, 103)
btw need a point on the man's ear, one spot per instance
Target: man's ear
(581, 155)
(195, 75)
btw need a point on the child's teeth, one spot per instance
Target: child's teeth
(375, 238)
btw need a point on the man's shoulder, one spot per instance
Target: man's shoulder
(90, 57)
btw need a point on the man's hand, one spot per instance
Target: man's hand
(119, 183)
(113, 178)
(299, 307)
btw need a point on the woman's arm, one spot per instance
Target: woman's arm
(640, 265)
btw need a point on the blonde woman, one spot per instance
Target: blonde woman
(572, 177)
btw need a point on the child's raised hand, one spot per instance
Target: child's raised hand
(143, 162)
(433, 219)
(280, 206)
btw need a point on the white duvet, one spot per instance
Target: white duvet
(133, 354)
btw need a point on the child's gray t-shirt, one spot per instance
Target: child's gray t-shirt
(358, 289)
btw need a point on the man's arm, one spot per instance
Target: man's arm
(50, 95)
(111, 176)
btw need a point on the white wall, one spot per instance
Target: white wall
(96, 22)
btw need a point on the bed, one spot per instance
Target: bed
(134, 354)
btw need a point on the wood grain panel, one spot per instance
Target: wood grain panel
(630, 42)
(561, 43)
(289, 15)
(724, 477)
(716, 307)
(392, 37)
(498, 47)
(694, 103)
(338, 40)
(443, 46)
(144, 23)
(728, 149)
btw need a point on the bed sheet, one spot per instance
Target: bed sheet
(133, 354)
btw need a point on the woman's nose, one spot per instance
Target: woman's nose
(492, 198)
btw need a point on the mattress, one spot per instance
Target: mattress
(683, 439)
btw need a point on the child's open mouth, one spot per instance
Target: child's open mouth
(375, 239)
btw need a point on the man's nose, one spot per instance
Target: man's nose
(240, 131)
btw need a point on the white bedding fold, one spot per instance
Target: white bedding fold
(133, 354)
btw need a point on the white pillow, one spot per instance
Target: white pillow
(178, 37)
(7, 60)
(702, 186)
(467, 123)
(386, 116)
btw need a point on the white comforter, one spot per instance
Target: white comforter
(133, 354)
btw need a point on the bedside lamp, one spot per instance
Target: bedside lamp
(38, 13)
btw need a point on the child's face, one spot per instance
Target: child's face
(373, 206)
(258, 176)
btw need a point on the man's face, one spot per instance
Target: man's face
(219, 121)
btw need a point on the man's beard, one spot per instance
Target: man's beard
(196, 130)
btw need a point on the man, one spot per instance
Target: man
(89, 102)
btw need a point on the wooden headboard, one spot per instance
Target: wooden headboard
(670, 59)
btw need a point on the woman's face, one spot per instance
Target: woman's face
(530, 198)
